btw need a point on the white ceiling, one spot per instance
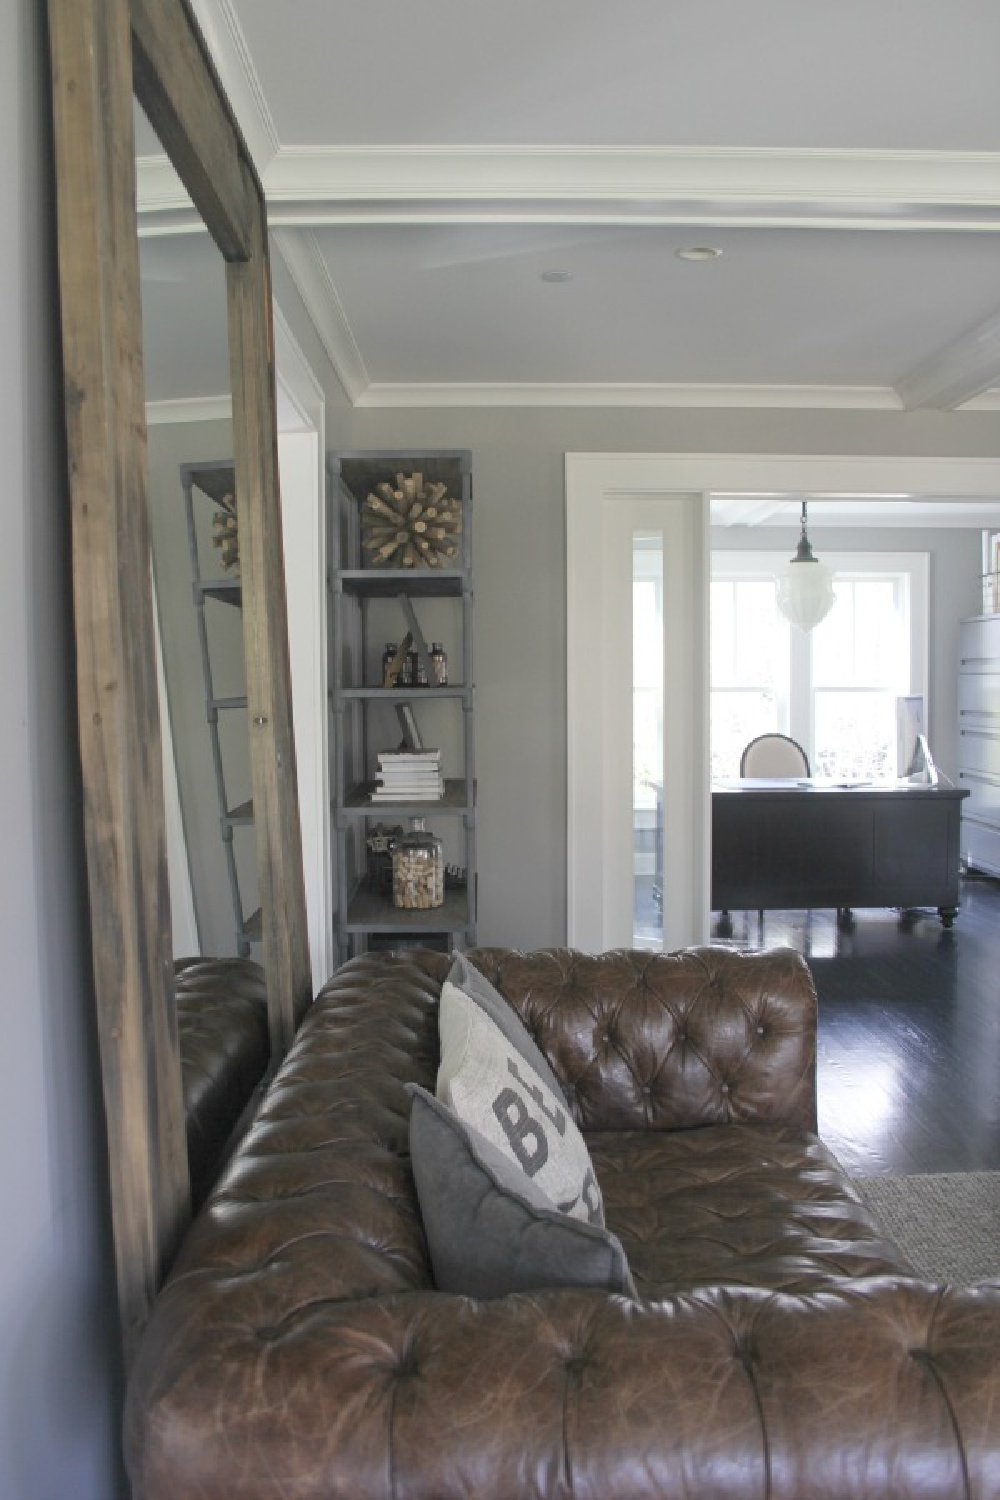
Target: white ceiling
(425, 163)
(907, 74)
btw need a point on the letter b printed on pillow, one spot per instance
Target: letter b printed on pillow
(525, 1136)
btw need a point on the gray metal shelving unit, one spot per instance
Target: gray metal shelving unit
(362, 710)
(211, 481)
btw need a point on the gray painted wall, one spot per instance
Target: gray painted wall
(520, 598)
(58, 1322)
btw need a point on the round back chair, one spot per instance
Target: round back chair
(774, 755)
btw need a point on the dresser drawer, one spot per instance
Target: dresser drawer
(978, 747)
(984, 794)
(979, 696)
(979, 644)
(980, 844)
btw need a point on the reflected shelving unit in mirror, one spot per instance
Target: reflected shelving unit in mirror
(401, 678)
(209, 501)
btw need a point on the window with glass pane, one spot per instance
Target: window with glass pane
(647, 739)
(749, 647)
(833, 688)
(860, 662)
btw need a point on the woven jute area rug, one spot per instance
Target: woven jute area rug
(946, 1223)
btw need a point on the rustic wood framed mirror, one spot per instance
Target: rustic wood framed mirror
(103, 51)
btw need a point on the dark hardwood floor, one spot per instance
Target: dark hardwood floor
(909, 1031)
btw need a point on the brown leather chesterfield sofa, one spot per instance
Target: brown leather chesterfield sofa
(225, 1048)
(777, 1347)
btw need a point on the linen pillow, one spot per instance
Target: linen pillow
(490, 1229)
(467, 978)
(489, 1086)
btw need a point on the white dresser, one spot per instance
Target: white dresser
(979, 741)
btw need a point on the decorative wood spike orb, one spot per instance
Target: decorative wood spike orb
(412, 524)
(225, 534)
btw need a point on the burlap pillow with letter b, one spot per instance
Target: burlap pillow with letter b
(489, 1085)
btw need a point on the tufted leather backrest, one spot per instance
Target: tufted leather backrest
(320, 1193)
(669, 1040)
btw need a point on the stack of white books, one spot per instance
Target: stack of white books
(409, 776)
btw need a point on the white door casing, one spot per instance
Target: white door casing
(601, 492)
(606, 502)
(301, 461)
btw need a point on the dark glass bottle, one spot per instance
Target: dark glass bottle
(439, 665)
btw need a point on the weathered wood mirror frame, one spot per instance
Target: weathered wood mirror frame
(100, 50)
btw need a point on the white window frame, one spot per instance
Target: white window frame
(915, 566)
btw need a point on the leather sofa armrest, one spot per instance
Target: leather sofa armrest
(670, 1041)
(885, 1388)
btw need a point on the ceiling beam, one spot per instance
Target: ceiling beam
(658, 184)
(895, 191)
(955, 373)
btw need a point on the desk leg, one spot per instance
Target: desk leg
(947, 915)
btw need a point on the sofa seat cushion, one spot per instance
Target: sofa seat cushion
(744, 1205)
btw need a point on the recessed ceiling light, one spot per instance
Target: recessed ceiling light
(698, 252)
(557, 275)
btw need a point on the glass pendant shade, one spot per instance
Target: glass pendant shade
(805, 589)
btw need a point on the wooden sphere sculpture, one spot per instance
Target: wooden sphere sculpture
(411, 524)
(225, 534)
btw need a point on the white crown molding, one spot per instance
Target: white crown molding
(227, 44)
(899, 191)
(883, 189)
(309, 272)
(952, 376)
(819, 397)
(189, 409)
(841, 474)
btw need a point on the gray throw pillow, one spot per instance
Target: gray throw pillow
(490, 1230)
(466, 977)
(490, 1086)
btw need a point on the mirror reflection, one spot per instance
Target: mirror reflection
(197, 589)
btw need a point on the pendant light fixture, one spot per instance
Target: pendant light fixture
(805, 589)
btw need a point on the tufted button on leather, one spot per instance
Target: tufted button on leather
(760, 1030)
(725, 1088)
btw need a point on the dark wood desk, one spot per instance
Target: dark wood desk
(791, 846)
